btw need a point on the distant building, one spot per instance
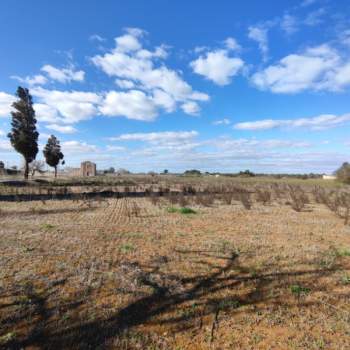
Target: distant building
(329, 177)
(88, 169)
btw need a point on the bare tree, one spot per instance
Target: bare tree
(36, 166)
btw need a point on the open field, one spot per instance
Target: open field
(142, 273)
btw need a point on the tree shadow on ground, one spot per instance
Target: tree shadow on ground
(198, 297)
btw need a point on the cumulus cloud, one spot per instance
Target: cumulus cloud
(317, 68)
(133, 104)
(259, 34)
(63, 75)
(131, 64)
(6, 101)
(65, 106)
(127, 43)
(63, 129)
(150, 86)
(217, 66)
(320, 122)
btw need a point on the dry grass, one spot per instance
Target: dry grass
(128, 274)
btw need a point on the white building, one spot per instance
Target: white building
(329, 177)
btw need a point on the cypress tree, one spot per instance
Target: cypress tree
(23, 135)
(52, 152)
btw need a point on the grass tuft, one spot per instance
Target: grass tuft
(183, 210)
(299, 290)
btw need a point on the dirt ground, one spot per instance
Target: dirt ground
(127, 274)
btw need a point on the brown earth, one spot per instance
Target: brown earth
(126, 274)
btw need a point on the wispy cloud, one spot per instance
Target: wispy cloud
(96, 37)
(224, 121)
(158, 137)
(258, 33)
(306, 3)
(320, 122)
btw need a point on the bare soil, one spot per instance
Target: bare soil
(127, 274)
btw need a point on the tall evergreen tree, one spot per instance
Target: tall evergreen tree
(52, 152)
(23, 135)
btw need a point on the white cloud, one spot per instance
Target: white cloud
(5, 146)
(43, 136)
(217, 66)
(66, 106)
(46, 113)
(136, 32)
(131, 62)
(63, 129)
(127, 43)
(258, 125)
(320, 122)
(224, 121)
(133, 104)
(190, 107)
(77, 147)
(31, 81)
(125, 84)
(317, 68)
(2, 133)
(259, 34)
(232, 44)
(63, 75)
(164, 100)
(6, 101)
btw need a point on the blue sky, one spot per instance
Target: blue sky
(160, 84)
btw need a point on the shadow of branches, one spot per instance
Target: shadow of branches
(176, 301)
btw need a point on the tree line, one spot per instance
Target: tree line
(24, 135)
